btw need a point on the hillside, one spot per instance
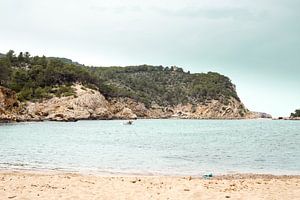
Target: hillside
(161, 91)
(164, 86)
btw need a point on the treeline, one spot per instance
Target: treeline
(34, 77)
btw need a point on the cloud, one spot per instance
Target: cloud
(210, 13)
(116, 8)
(244, 39)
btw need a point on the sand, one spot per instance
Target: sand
(41, 185)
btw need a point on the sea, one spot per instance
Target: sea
(153, 147)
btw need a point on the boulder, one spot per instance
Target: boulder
(126, 113)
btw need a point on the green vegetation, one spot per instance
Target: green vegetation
(165, 86)
(296, 113)
(35, 78)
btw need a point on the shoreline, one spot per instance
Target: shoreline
(6, 121)
(33, 185)
(117, 119)
(234, 175)
(87, 172)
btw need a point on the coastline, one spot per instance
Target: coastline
(64, 185)
(124, 119)
(89, 104)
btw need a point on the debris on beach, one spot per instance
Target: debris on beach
(208, 176)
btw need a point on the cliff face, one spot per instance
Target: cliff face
(91, 104)
(8, 104)
(210, 110)
(87, 104)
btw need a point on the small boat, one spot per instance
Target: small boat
(128, 122)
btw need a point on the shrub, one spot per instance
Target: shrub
(25, 94)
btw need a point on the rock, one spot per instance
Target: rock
(91, 104)
(126, 113)
(7, 118)
(212, 109)
(87, 104)
(59, 116)
(138, 108)
(282, 118)
(260, 115)
(207, 176)
(8, 105)
(8, 99)
(101, 113)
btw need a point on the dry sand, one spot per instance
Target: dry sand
(37, 185)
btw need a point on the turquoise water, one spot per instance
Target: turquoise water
(169, 147)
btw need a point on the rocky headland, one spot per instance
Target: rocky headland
(89, 104)
(48, 88)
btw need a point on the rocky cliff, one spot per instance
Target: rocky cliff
(43, 86)
(9, 105)
(91, 104)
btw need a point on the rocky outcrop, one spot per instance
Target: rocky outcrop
(126, 113)
(287, 118)
(8, 104)
(262, 115)
(210, 110)
(8, 98)
(213, 110)
(119, 104)
(87, 104)
(91, 104)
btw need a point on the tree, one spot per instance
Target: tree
(20, 57)
(296, 114)
(10, 55)
(19, 80)
(4, 71)
(27, 57)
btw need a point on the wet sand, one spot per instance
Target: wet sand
(41, 185)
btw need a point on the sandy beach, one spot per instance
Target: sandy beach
(40, 185)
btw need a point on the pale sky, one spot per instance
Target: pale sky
(254, 42)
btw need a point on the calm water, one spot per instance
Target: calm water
(170, 147)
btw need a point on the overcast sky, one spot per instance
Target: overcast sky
(254, 42)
